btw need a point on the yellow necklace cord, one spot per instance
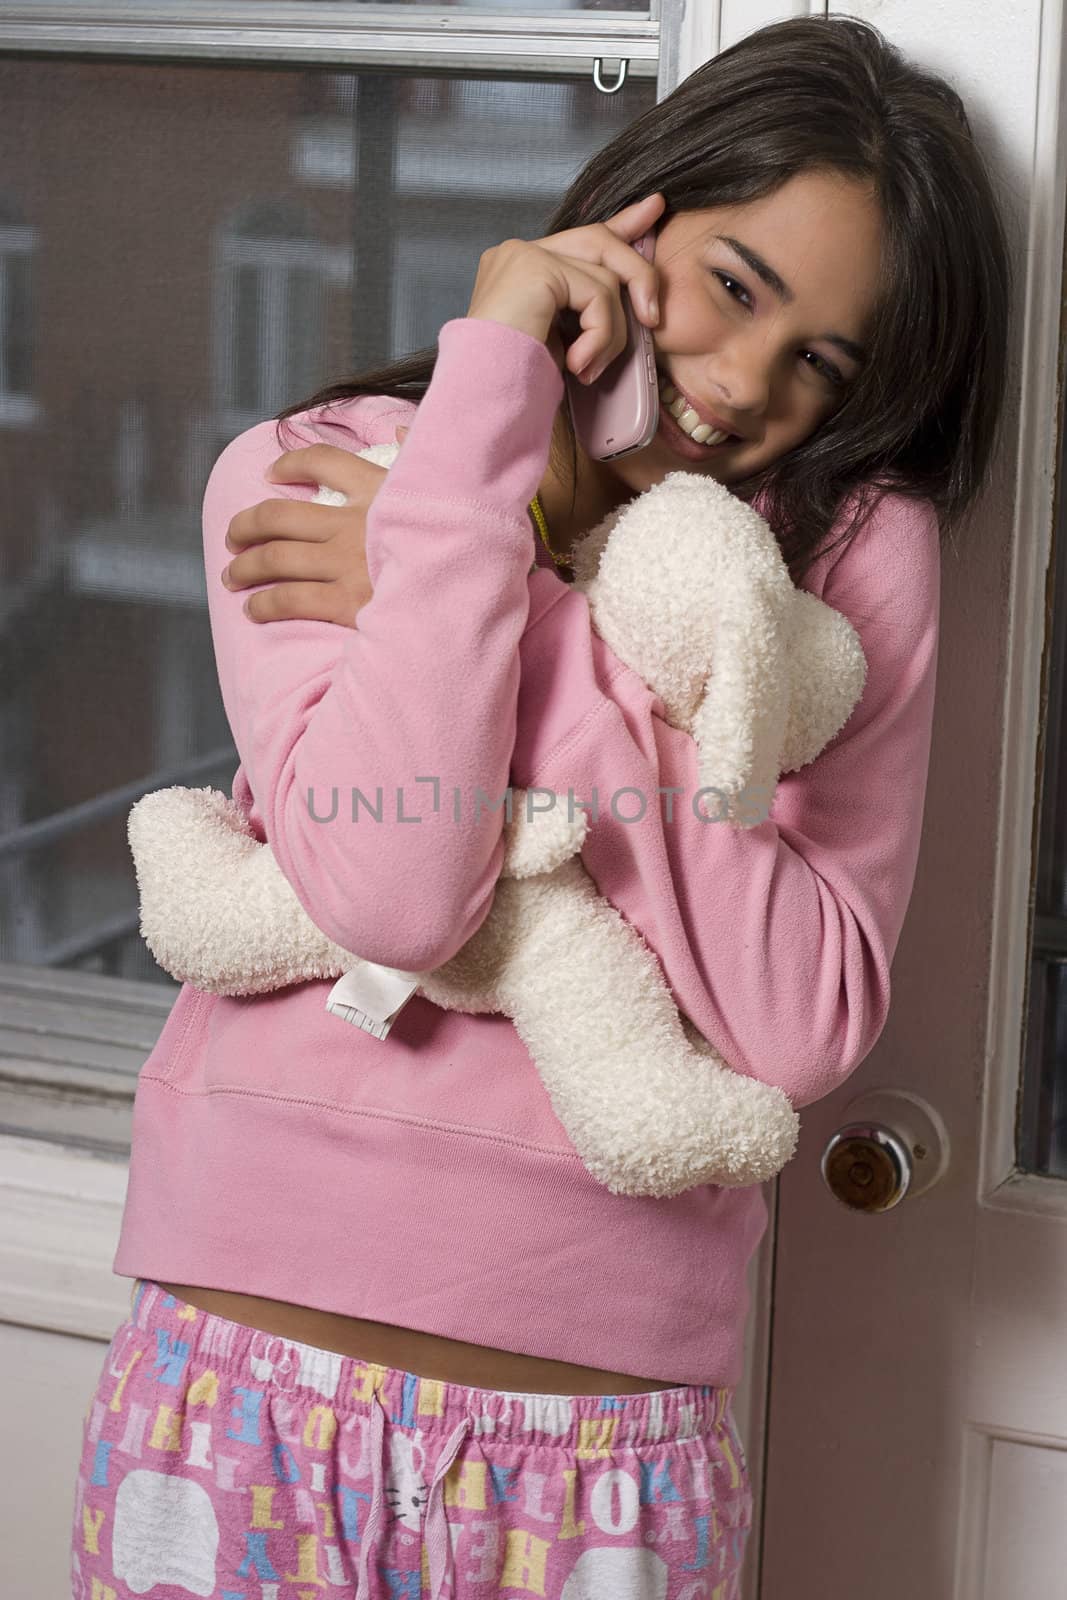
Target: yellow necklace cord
(542, 527)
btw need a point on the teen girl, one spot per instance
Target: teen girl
(388, 1337)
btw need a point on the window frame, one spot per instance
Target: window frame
(351, 35)
(71, 1046)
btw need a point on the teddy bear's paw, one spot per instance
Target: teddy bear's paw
(216, 910)
(542, 833)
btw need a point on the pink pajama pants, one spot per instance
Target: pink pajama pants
(221, 1461)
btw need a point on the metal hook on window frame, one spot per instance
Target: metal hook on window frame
(624, 67)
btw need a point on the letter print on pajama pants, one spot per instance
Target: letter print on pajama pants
(219, 1460)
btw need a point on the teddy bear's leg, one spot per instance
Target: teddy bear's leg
(647, 1112)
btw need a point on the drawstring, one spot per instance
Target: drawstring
(438, 1543)
(377, 1434)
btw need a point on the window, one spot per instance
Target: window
(199, 231)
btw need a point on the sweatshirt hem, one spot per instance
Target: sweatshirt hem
(365, 1213)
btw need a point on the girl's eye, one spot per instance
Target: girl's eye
(826, 368)
(725, 279)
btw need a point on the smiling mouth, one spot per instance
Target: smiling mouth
(689, 422)
(688, 419)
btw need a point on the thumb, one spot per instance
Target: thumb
(400, 434)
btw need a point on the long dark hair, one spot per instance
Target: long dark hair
(830, 94)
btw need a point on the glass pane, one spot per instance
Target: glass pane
(1042, 1134)
(184, 250)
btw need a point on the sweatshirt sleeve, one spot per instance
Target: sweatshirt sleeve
(365, 749)
(777, 940)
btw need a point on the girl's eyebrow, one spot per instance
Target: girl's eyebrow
(766, 274)
(757, 265)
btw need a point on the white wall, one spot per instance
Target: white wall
(48, 1380)
(60, 1211)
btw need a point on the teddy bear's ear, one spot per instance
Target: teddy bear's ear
(739, 725)
(828, 670)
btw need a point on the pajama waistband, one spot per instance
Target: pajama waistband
(575, 1422)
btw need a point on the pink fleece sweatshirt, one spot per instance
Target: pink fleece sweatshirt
(424, 1179)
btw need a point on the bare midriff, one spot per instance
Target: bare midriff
(425, 1354)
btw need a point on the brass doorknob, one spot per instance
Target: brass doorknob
(891, 1144)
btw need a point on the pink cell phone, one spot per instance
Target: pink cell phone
(619, 413)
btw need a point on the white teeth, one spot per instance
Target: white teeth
(688, 419)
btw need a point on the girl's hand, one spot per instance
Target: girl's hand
(313, 556)
(527, 284)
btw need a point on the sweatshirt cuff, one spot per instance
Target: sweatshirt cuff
(483, 428)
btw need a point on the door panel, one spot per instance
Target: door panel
(917, 1410)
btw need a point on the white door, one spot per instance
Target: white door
(916, 1415)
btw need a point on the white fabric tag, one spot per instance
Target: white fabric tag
(371, 996)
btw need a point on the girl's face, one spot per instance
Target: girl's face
(765, 333)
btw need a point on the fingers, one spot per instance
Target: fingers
(595, 296)
(597, 292)
(629, 264)
(318, 602)
(320, 463)
(640, 276)
(280, 558)
(600, 266)
(303, 520)
(636, 219)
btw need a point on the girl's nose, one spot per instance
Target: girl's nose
(741, 379)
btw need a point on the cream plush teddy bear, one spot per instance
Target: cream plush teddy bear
(761, 673)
